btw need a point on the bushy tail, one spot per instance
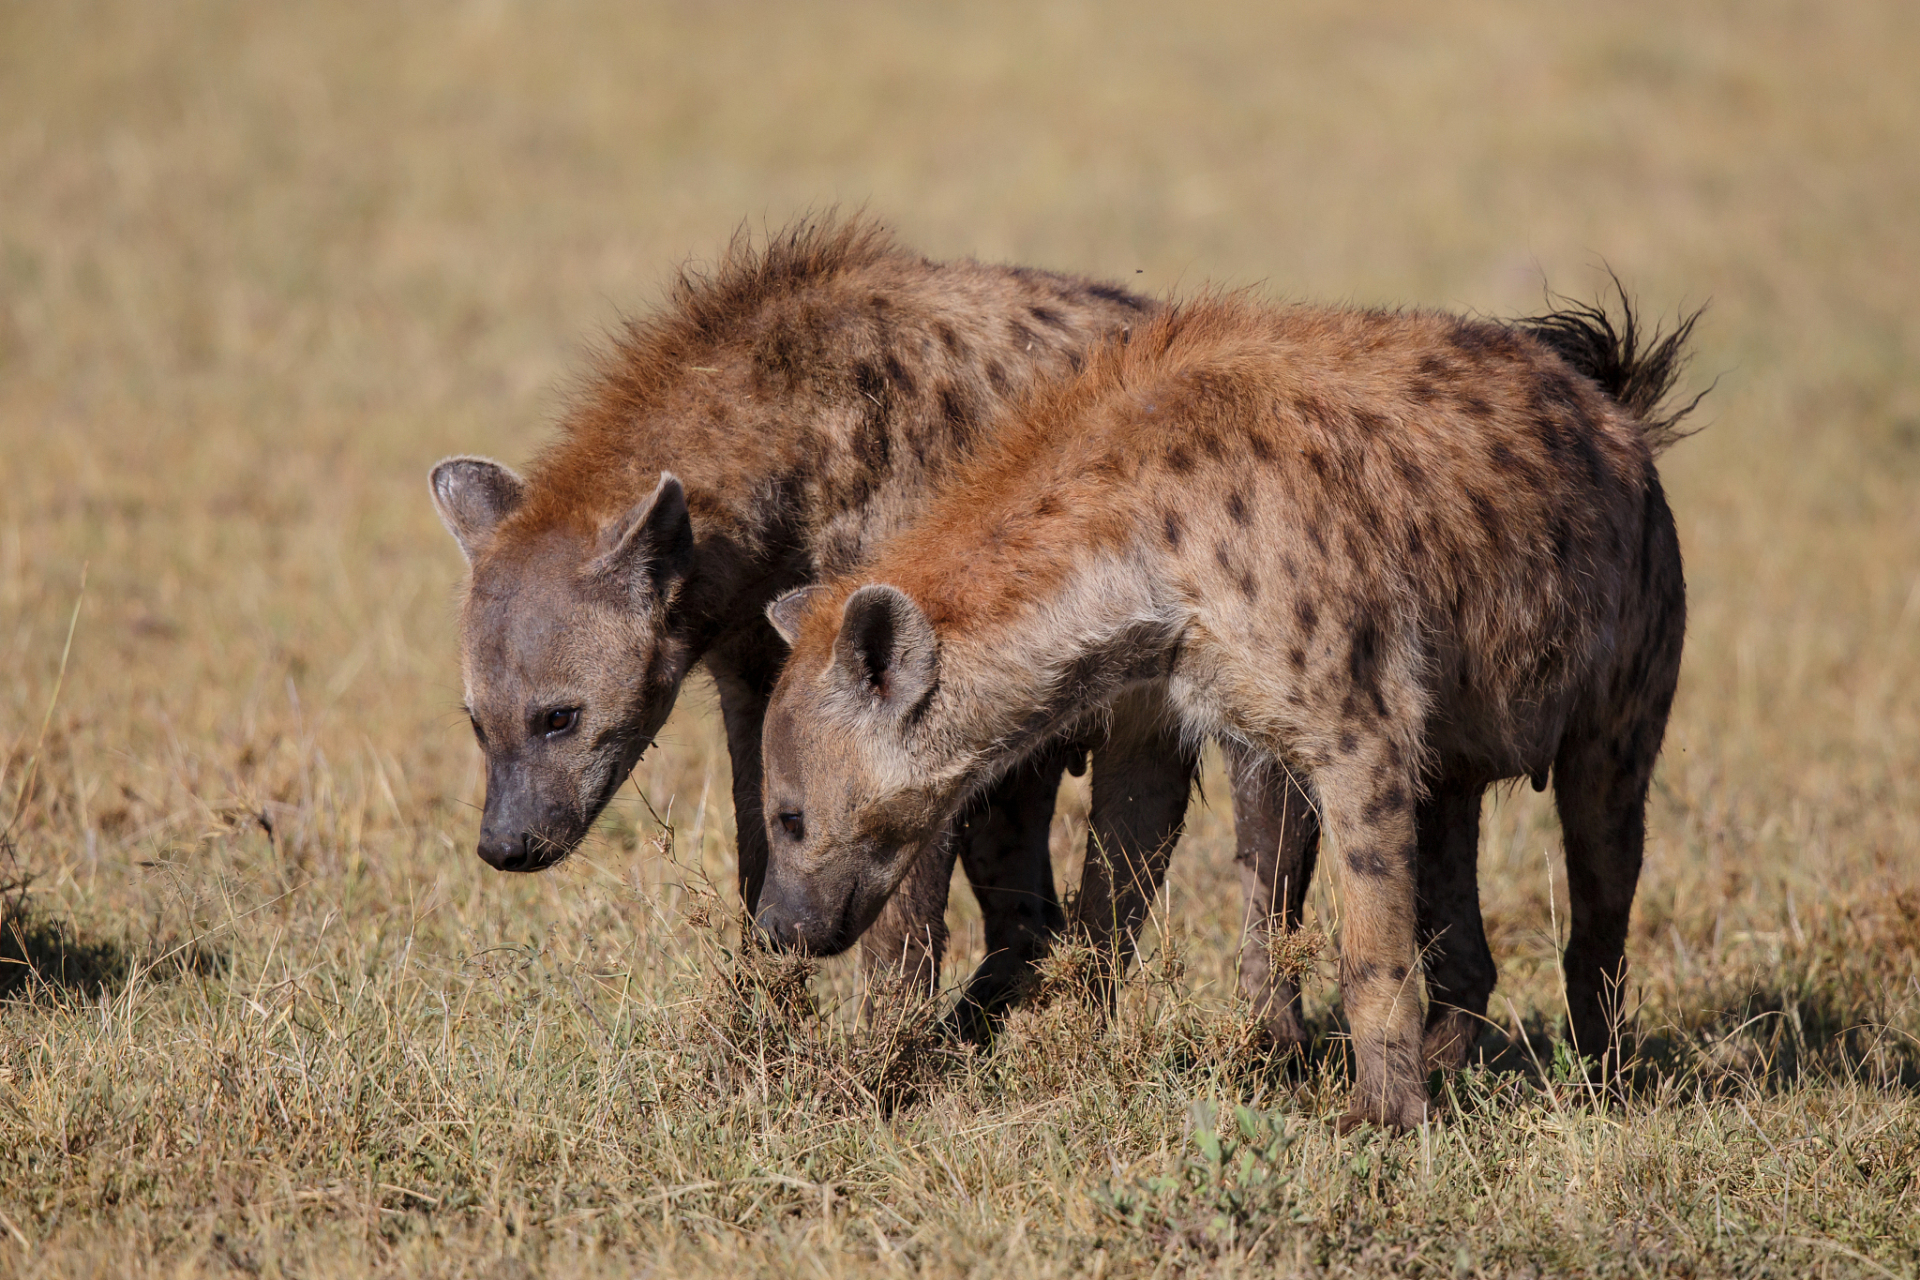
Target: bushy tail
(1636, 370)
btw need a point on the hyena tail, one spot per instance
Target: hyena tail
(1637, 370)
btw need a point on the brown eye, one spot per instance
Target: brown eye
(561, 720)
(794, 825)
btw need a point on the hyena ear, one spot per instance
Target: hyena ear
(473, 495)
(786, 612)
(652, 544)
(886, 648)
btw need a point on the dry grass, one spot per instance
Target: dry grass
(263, 1010)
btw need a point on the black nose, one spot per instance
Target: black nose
(506, 853)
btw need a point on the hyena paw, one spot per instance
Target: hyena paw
(1405, 1109)
(1447, 1040)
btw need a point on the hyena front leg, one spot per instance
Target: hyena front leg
(1367, 810)
(744, 675)
(1142, 777)
(1002, 839)
(905, 944)
(1600, 787)
(1453, 940)
(1276, 842)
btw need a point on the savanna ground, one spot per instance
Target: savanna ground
(261, 1009)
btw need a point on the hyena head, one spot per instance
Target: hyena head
(568, 659)
(849, 799)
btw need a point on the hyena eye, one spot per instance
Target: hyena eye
(560, 720)
(794, 825)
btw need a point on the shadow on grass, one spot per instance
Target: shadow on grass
(40, 953)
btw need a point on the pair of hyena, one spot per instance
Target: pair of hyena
(1007, 517)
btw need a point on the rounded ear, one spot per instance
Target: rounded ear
(886, 648)
(652, 544)
(786, 612)
(473, 495)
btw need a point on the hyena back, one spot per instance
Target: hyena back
(1398, 556)
(778, 419)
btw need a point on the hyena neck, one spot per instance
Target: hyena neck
(1018, 678)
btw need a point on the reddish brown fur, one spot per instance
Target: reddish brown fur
(1402, 555)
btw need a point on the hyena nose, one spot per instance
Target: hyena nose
(778, 932)
(506, 853)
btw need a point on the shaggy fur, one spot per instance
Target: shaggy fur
(776, 421)
(1398, 556)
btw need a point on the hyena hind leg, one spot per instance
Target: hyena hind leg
(1600, 786)
(1459, 966)
(1276, 843)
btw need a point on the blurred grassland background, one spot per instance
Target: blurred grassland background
(264, 1010)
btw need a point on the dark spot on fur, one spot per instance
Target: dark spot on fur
(1047, 316)
(1222, 555)
(957, 410)
(1318, 461)
(1249, 588)
(1317, 534)
(898, 375)
(1369, 423)
(1422, 391)
(1562, 543)
(1261, 447)
(1349, 743)
(1307, 616)
(1363, 662)
(1173, 530)
(1311, 408)
(1367, 861)
(1486, 513)
(1108, 293)
(997, 378)
(1297, 657)
(1180, 460)
(1476, 408)
(1211, 444)
(1022, 336)
(1045, 507)
(1237, 508)
(1385, 805)
(948, 338)
(1436, 369)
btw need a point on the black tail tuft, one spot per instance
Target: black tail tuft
(1636, 373)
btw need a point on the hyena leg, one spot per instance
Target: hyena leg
(1600, 786)
(1142, 776)
(745, 677)
(1276, 841)
(1367, 811)
(1002, 841)
(904, 946)
(1453, 941)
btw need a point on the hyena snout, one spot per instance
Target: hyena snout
(792, 920)
(521, 832)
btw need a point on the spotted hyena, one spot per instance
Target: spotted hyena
(1398, 556)
(782, 415)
